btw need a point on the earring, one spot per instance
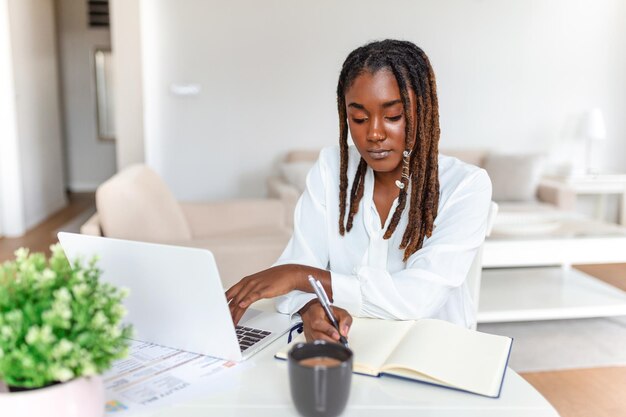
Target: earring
(405, 169)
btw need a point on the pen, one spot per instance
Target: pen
(325, 302)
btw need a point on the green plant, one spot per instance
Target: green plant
(57, 321)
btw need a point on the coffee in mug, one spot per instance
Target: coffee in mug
(320, 361)
(320, 374)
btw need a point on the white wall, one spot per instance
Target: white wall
(11, 201)
(513, 76)
(127, 67)
(38, 154)
(90, 161)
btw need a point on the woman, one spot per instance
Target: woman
(400, 244)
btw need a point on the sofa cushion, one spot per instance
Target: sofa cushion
(136, 204)
(469, 156)
(302, 155)
(514, 177)
(295, 173)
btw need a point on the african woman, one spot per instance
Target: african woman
(389, 226)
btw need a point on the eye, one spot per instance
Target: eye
(359, 121)
(395, 118)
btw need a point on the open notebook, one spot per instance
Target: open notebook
(428, 350)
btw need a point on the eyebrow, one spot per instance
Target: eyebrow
(391, 103)
(385, 105)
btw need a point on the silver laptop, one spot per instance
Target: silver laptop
(176, 297)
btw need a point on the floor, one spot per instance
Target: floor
(594, 392)
(42, 236)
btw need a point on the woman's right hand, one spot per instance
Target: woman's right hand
(317, 326)
(272, 282)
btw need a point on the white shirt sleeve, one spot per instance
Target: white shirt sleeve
(309, 242)
(442, 264)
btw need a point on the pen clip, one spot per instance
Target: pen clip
(323, 292)
(323, 298)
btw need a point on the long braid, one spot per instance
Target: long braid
(418, 179)
(409, 134)
(418, 163)
(343, 155)
(358, 186)
(417, 166)
(413, 234)
(428, 194)
(436, 132)
(412, 70)
(351, 62)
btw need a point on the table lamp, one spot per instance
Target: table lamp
(592, 129)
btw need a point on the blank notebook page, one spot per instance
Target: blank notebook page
(459, 357)
(373, 340)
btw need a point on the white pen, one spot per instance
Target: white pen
(325, 302)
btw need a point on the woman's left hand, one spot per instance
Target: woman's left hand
(272, 282)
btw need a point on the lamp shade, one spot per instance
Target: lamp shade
(593, 125)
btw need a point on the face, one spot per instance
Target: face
(376, 120)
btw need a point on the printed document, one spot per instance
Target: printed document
(154, 375)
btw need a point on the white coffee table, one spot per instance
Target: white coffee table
(601, 185)
(527, 273)
(262, 389)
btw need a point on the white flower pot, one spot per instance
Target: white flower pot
(81, 397)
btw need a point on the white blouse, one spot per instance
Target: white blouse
(369, 278)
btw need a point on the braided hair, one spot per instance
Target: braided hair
(412, 70)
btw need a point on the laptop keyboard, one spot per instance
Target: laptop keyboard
(248, 336)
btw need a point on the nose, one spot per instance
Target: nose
(376, 131)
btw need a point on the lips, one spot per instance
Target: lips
(378, 153)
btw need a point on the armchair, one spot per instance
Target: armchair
(136, 204)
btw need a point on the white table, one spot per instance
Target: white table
(529, 276)
(599, 184)
(261, 388)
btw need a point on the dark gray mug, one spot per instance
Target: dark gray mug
(320, 390)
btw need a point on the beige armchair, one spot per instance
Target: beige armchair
(136, 204)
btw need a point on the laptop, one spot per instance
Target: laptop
(176, 297)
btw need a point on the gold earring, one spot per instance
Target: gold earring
(405, 169)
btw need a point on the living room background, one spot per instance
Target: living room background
(513, 76)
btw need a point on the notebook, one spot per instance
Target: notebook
(431, 351)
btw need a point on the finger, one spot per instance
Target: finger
(233, 304)
(245, 290)
(240, 307)
(232, 291)
(252, 296)
(238, 314)
(323, 336)
(231, 308)
(322, 326)
(239, 310)
(345, 321)
(233, 313)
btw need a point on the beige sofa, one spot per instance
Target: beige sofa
(515, 179)
(136, 204)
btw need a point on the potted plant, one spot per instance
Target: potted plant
(60, 327)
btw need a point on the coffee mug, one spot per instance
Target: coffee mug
(320, 374)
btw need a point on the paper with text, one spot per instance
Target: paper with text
(154, 375)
